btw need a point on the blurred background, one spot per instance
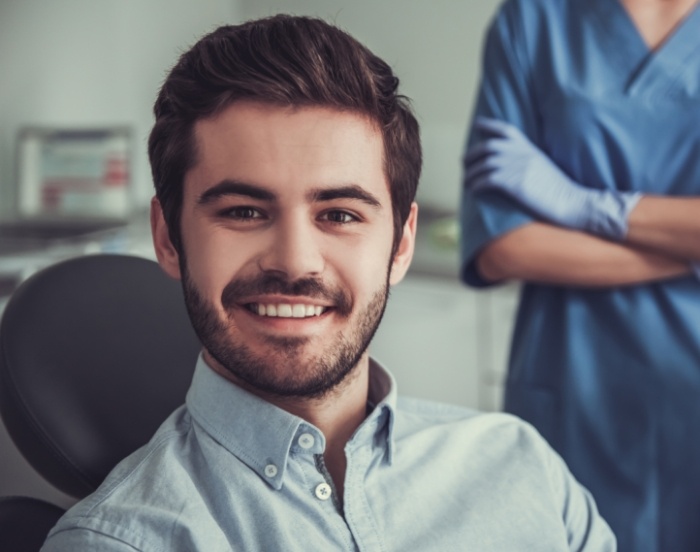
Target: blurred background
(80, 77)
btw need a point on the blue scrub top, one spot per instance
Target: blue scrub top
(610, 377)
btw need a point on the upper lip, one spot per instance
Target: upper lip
(285, 299)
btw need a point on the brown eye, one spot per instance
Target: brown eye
(243, 213)
(339, 217)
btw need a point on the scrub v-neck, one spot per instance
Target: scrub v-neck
(649, 70)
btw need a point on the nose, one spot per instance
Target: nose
(294, 249)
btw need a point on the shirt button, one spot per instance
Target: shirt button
(270, 470)
(306, 441)
(323, 491)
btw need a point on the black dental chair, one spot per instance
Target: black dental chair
(95, 352)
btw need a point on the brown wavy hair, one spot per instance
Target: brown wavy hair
(286, 61)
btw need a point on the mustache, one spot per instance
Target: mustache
(236, 290)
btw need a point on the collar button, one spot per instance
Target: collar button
(306, 441)
(270, 470)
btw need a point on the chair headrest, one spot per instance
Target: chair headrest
(95, 352)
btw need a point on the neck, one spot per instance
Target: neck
(657, 19)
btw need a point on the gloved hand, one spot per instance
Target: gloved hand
(506, 161)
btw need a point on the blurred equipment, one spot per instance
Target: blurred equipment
(70, 182)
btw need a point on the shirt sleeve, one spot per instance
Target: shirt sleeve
(505, 93)
(84, 540)
(586, 530)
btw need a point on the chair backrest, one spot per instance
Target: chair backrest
(95, 352)
(25, 522)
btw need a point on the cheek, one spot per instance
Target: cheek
(364, 271)
(213, 261)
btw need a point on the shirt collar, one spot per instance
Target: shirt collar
(383, 396)
(262, 435)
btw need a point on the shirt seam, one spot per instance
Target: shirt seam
(154, 447)
(103, 532)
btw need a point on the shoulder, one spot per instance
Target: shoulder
(531, 18)
(519, 30)
(155, 479)
(457, 433)
(529, 8)
(487, 442)
(496, 466)
(492, 429)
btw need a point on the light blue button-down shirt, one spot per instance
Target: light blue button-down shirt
(229, 471)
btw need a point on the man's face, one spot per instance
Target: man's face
(287, 232)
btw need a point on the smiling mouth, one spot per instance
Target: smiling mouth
(286, 310)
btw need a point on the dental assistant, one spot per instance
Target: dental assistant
(582, 179)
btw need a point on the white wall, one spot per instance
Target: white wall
(86, 62)
(434, 47)
(83, 62)
(91, 62)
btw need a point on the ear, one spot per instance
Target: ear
(167, 255)
(404, 252)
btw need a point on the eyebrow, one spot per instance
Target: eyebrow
(234, 187)
(345, 192)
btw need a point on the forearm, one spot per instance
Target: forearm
(667, 225)
(548, 254)
(507, 162)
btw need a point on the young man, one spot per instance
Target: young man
(286, 166)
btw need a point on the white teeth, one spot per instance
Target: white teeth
(285, 310)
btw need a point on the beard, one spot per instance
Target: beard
(286, 369)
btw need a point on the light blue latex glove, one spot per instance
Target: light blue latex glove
(506, 161)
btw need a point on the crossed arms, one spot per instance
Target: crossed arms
(586, 237)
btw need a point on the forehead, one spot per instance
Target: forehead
(288, 150)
